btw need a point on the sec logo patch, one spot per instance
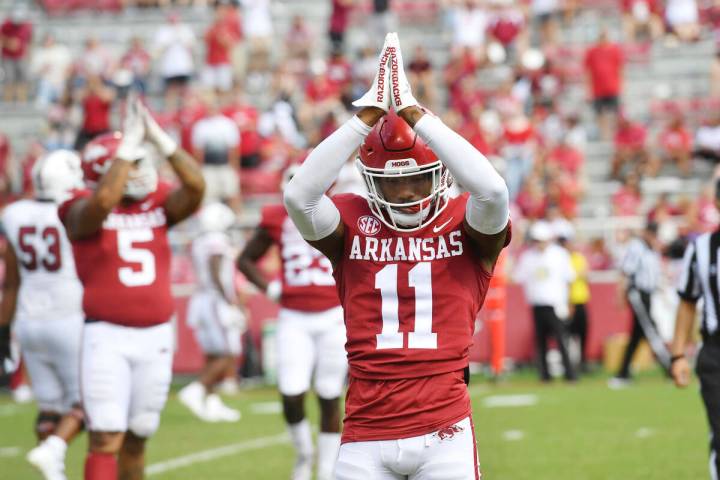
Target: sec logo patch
(369, 225)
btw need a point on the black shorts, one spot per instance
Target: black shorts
(177, 81)
(606, 104)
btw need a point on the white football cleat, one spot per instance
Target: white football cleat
(193, 397)
(47, 461)
(218, 411)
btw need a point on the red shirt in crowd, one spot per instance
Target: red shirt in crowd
(567, 158)
(16, 39)
(186, 119)
(626, 202)
(340, 16)
(604, 64)
(630, 136)
(339, 72)
(674, 139)
(631, 6)
(97, 113)
(246, 118)
(137, 60)
(219, 41)
(321, 88)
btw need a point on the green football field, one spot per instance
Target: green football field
(525, 431)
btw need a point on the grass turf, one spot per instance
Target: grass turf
(573, 432)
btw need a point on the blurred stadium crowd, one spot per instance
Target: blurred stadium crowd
(538, 86)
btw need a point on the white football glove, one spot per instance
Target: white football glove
(133, 134)
(402, 96)
(165, 144)
(274, 290)
(379, 93)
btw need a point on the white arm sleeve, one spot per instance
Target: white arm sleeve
(488, 208)
(313, 213)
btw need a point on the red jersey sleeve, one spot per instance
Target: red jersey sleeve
(271, 219)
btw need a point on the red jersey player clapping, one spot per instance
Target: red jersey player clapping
(412, 267)
(118, 229)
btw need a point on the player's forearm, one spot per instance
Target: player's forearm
(313, 213)
(254, 275)
(684, 321)
(488, 209)
(188, 171)
(111, 188)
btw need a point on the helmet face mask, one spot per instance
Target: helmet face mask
(142, 180)
(407, 184)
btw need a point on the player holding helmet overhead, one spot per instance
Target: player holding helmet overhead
(310, 334)
(118, 229)
(43, 295)
(412, 268)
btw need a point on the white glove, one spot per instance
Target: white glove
(274, 290)
(132, 135)
(379, 93)
(402, 96)
(154, 133)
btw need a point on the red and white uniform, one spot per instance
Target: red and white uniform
(310, 330)
(410, 302)
(127, 340)
(48, 316)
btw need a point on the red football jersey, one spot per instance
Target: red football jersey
(125, 266)
(410, 302)
(307, 281)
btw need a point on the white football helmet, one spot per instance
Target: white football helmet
(56, 174)
(216, 217)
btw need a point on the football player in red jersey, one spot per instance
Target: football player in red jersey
(412, 268)
(118, 230)
(310, 335)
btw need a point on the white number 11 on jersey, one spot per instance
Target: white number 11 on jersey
(419, 278)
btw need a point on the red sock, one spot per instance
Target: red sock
(100, 466)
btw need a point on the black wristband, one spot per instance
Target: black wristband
(675, 358)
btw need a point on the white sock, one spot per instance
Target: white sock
(197, 388)
(57, 444)
(328, 447)
(302, 438)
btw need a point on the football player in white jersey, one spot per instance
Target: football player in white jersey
(214, 313)
(43, 296)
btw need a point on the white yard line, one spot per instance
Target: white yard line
(500, 401)
(9, 451)
(215, 453)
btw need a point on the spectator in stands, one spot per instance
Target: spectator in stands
(626, 201)
(173, 46)
(715, 76)
(339, 74)
(519, 150)
(707, 139)
(216, 145)
(642, 19)
(245, 117)
(566, 157)
(603, 67)
(682, 17)
(219, 43)
(96, 101)
(94, 60)
(50, 66)
(532, 200)
(15, 40)
(598, 256)
(138, 62)
(575, 134)
(675, 142)
(299, 42)
(507, 25)
(707, 216)
(545, 14)
(422, 78)
(258, 29)
(631, 148)
(469, 27)
(382, 21)
(339, 22)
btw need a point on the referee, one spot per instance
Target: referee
(641, 268)
(699, 278)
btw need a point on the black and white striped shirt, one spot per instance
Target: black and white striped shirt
(699, 278)
(641, 264)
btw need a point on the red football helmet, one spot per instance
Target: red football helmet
(97, 156)
(393, 149)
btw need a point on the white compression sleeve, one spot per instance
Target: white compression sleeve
(314, 214)
(488, 208)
